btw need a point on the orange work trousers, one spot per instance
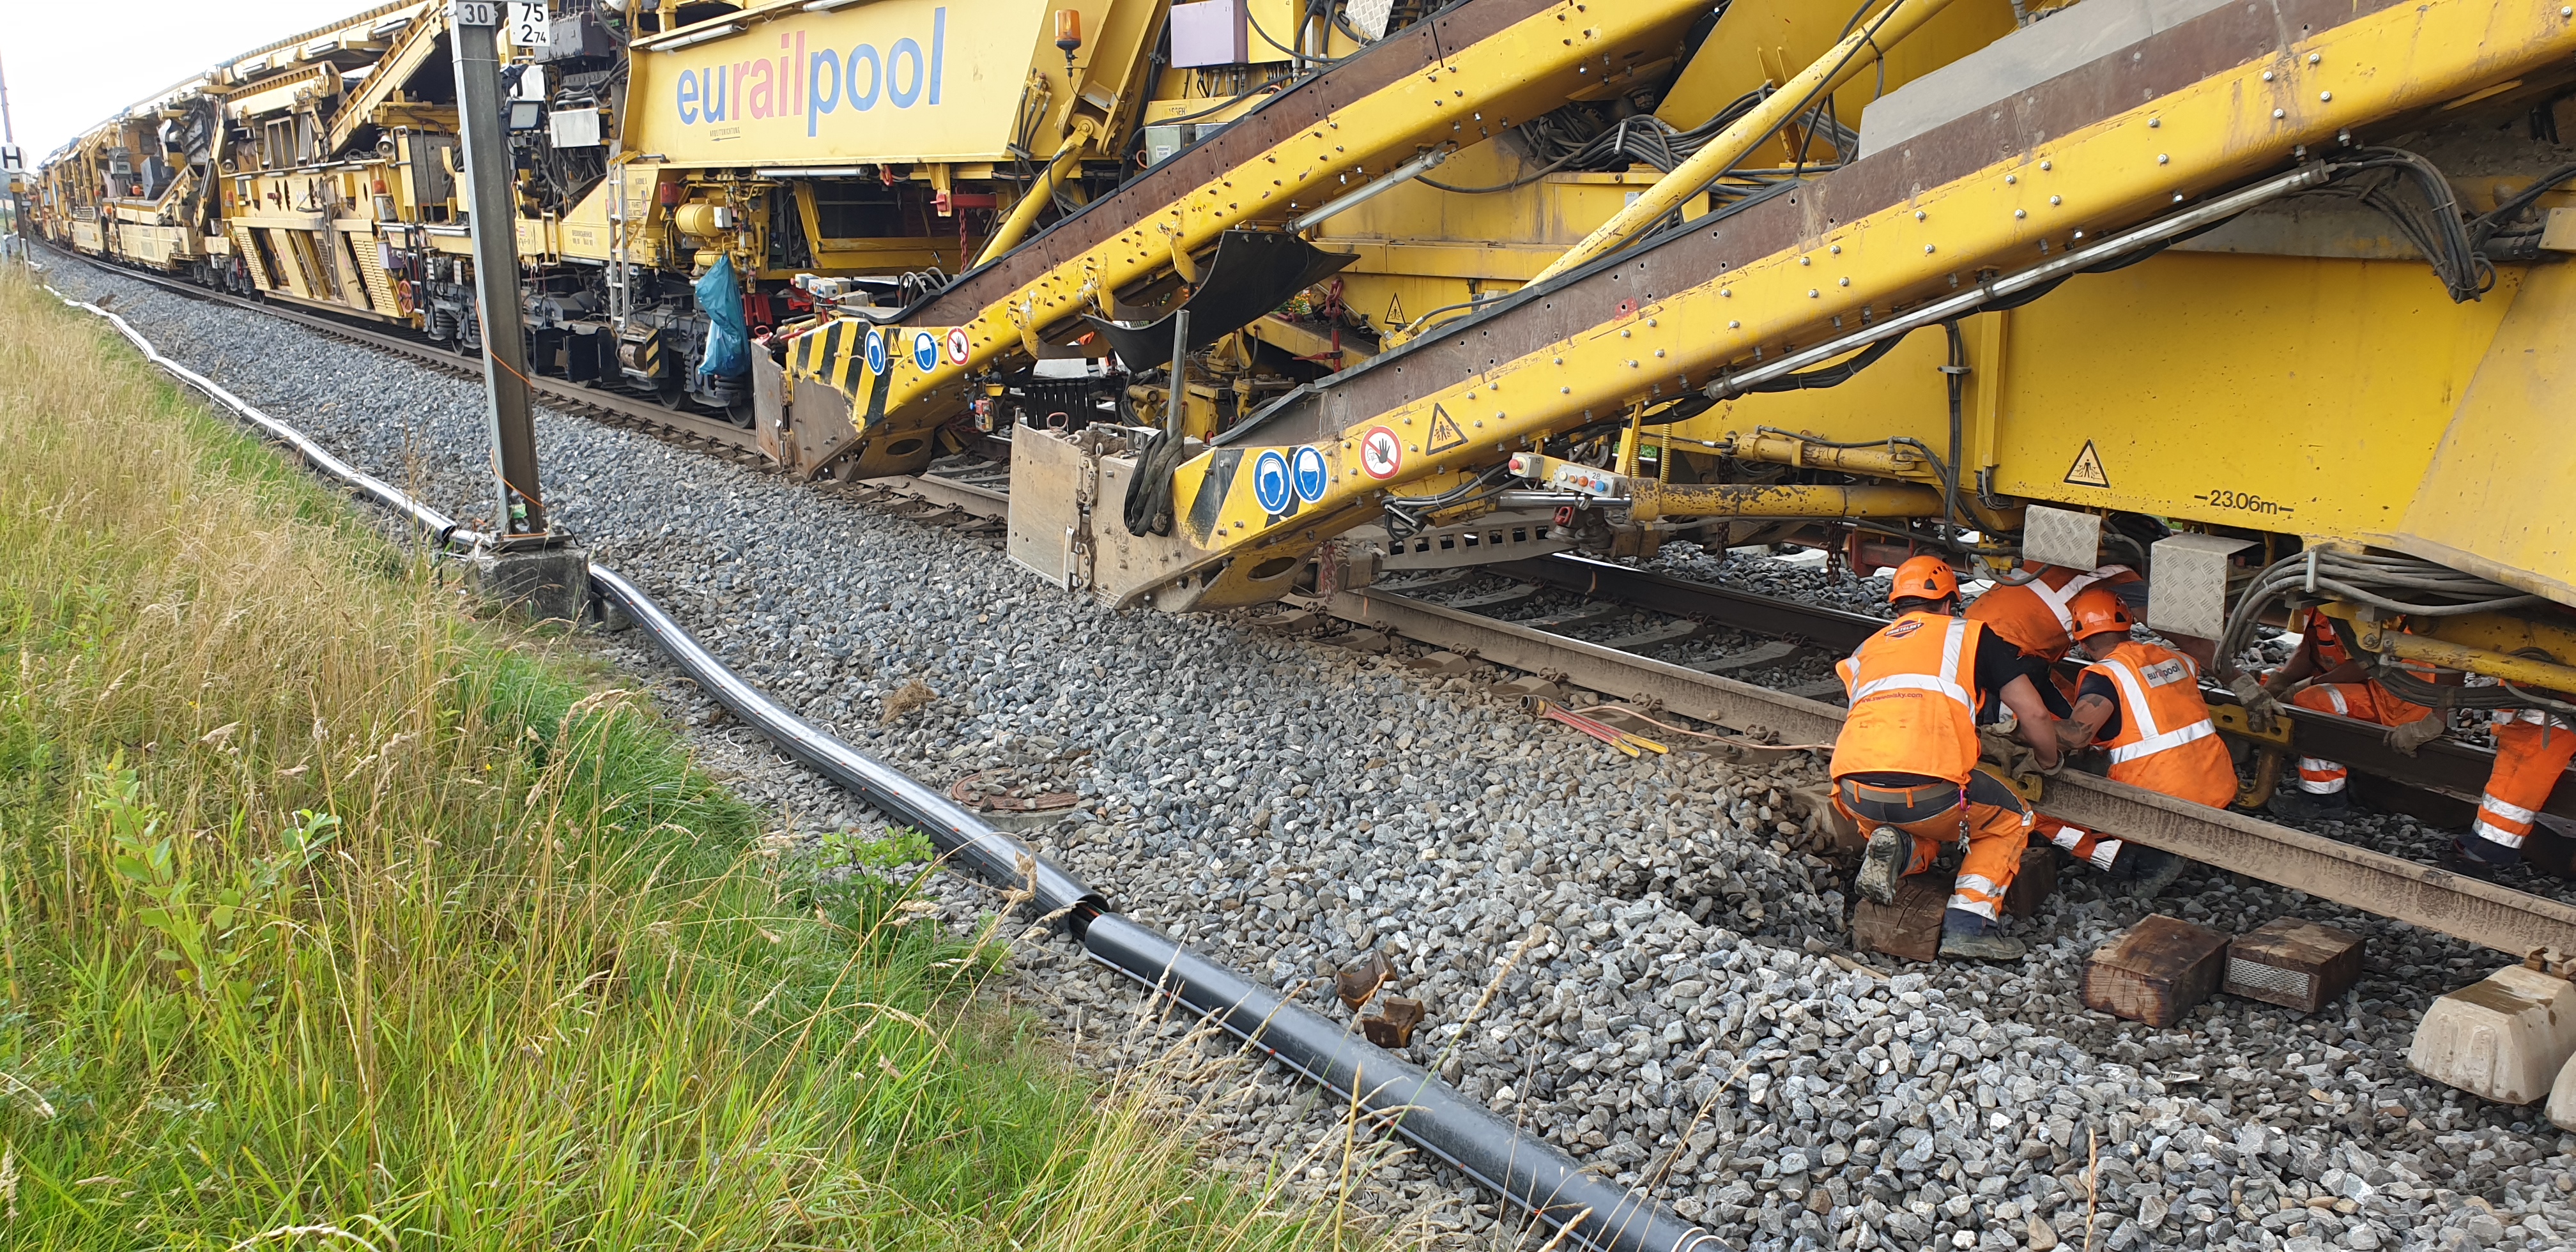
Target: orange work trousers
(2367, 702)
(2092, 847)
(1985, 813)
(2532, 749)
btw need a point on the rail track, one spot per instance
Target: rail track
(973, 495)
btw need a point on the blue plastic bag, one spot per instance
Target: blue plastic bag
(728, 335)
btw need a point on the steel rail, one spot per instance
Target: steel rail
(2453, 770)
(2499, 917)
(663, 422)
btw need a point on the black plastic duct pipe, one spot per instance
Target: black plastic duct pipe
(437, 524)
(1395, 1094)
(1399, 1096)
(994, 856)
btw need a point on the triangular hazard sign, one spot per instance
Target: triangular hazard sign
(2087, 470)
(1444, 432)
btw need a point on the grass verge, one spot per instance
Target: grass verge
(329, 916)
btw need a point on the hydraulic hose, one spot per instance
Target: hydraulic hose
(1396, 1095)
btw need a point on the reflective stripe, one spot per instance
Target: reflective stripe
(2322, 778)
(2484, 830)
(2058, 599)
(1977, 883)
(2142, 720)
(2510, 812)
(2534, 716)
(2335, 694)
(2105, 852)
(2201, 729)
(1947, 682)
(2067, 837)
(1912, 682)
(1971, 904)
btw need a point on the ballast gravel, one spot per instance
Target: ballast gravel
(1635, 958)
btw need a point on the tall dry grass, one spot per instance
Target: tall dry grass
(332, 917)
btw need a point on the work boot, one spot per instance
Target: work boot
(2478, 858)
(1889, 851)
(1964, 934)
(2148, 871)
(2309, 806)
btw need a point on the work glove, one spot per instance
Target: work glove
(2262, 706)
(2415, 734)
(2009, 755)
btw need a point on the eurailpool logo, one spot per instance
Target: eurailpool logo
(813, 83)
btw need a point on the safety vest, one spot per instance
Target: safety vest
(2166, 741)
(2329, 641)
(1914, 698)
(2036, 616)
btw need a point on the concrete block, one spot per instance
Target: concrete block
(2293, 963)
(2163, 968)
(2562, 1097)
(549, 584)
(2504, 1037)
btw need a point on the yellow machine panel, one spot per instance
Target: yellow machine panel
(896, 80)
(2493, 501)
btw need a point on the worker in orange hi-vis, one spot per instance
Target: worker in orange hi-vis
(2140, 703)
(2532, 750)
(2338, 683)
(1905, 764)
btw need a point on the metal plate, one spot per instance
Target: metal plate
(2061, 537)
(2188, 594)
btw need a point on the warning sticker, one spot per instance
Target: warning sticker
(1445, 433)
(1381, 453)
(2087, 470)
(957, 345)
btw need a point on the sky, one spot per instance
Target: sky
(70, 65)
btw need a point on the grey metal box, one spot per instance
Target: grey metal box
(2187, 590)
(2061, 537)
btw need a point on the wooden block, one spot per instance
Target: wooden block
(2292, 963)
(1909, 929)
(2157, 972)
(2033, 884)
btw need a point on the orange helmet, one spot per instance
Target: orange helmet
(1923, 578)
(2096, 610)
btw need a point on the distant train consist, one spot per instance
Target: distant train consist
(885, 144)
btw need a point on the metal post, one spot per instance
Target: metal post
(492, 205)
(17, 242)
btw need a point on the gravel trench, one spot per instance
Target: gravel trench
(1632, 957)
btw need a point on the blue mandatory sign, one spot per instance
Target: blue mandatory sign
(1307, 472)
(925, 351)
(1270, 482)
(876, 349)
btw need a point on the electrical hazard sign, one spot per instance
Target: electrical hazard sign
(2087, 470)
(1445, 433)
